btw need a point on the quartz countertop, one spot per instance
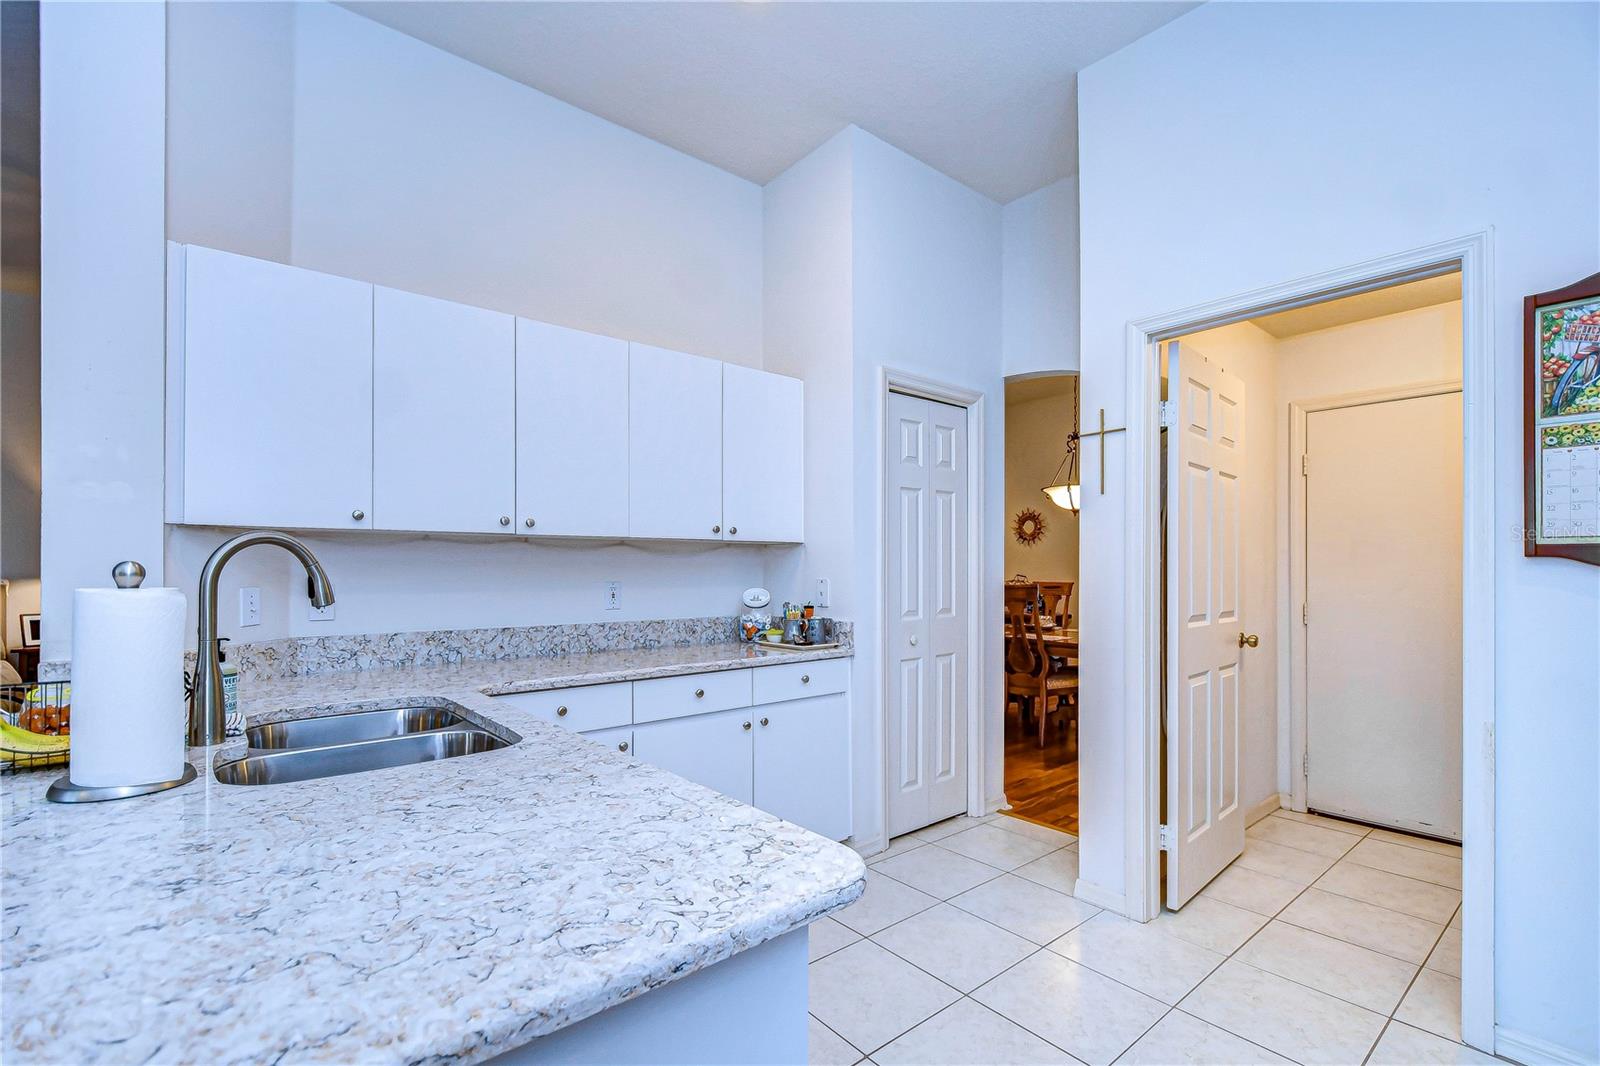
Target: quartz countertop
(442, 912)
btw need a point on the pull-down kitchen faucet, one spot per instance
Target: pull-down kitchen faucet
(205, 715)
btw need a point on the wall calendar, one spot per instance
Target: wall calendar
(1561, 447)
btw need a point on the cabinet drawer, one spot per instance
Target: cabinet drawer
(580, 709)
(793, 681)
(676, 697)
(620, 738)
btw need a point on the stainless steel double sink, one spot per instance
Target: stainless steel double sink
(351, 742)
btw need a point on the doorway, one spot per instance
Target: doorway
(1146, 744)
(1041, 600)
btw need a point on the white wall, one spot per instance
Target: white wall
(1251, 354)
(310, 134)
(1039, 320)
(101, 313)
(927, 300)
(1392, 126)
(1036, 438)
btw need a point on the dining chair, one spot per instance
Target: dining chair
(1057, 600)
(1039, 682)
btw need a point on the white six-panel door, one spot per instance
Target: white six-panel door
(1204, 809)
(572, 432)
(925, 448)
(675, 444)
(277, 414)
(444, 415)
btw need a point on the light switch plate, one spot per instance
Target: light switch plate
(249, 606)
(613, 595)
(822, 593)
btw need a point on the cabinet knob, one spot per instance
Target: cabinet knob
(699, 693)
(805, 679)
(747, 725)
(528, 522)
(623, 746)
(716, 529)
(505, 520)
(765, 721)
(732, 530)
(358, 514)
(561, 711)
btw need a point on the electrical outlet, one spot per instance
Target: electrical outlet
(320, 614)
(822, 593)
(613, 595)
(249, 607)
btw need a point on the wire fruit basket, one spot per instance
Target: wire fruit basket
(35, 726)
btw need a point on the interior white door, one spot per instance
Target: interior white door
(444, 415)
(1205, 465)
(926, 661)
(1383, 613)
(277, 414)
(763, 469)
(675, 444)
(572, 432)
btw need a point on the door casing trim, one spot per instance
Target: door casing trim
(1473, 256)
(911, 384)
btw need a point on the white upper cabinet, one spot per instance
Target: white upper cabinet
(572, 432)
(675, 445)
(444, 415)
(763, 485)
(277, 405)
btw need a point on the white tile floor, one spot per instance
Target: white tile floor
(1323, 943)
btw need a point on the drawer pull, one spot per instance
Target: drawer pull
(561, 711)
(699, 693)
(747, 725)
(623, 746)
(805, 679)
(765, 721)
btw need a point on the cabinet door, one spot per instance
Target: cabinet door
(709, 749)
(444, 415)
(763, 481)
(277, 380)
(802, 763)
(674, 444)
(572, 432)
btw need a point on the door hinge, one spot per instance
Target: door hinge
(1305, 763)
(1165, 836)
(1305, 614)
(1305, 465)
(1169, 413)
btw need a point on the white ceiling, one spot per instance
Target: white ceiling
(985, 92)
(1363, 306)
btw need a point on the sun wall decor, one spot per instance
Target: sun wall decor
(1028, 526)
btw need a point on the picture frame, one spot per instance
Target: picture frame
(30, 625)
(1561, 422)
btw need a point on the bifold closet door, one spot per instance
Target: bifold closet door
(925, 521)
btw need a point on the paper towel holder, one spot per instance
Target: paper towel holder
(127, 574)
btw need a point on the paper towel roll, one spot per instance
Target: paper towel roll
(128, 713)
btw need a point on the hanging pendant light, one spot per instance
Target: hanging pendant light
(1064, 494)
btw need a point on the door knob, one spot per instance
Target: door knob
(913, 641)
(1249, 641)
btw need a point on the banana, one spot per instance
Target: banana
(19, 745)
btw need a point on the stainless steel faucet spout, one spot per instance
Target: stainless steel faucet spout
(205, 714)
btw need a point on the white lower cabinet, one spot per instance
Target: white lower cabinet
(713, 750)
(620, 738)
(802, 763)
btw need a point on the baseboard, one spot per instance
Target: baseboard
(1098, 896)
(1535, 1051)
(867, 848)
(1275, 802)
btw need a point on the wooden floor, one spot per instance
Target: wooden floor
(1042, 783)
